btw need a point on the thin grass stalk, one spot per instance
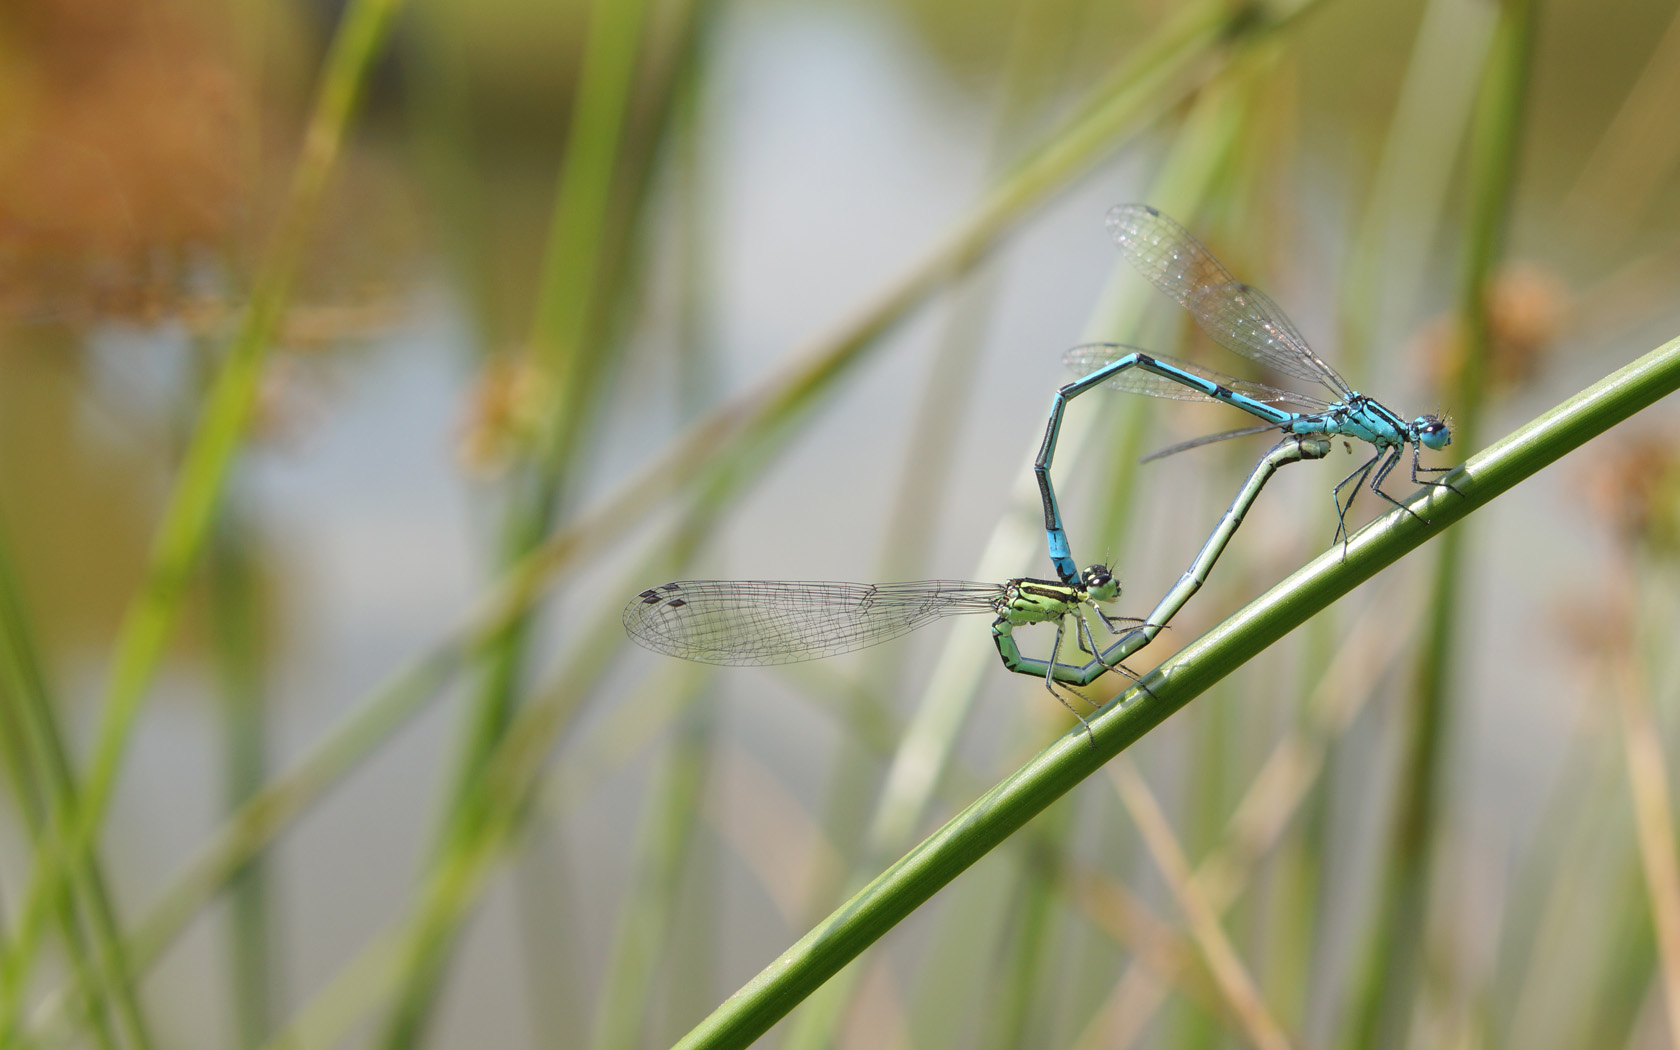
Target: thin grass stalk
(1037, 38)
(372, 975)
(1286, 784)
(1410, 187)
(1648, 782)
(1385, 268)
(1145, 86)
(1395, 956)
(25, 740)
(929, 740)
(1387, 263)
(993, 817)
(511, 784)
(1236, 985)
(566, 311)
(1635, 158)
(1019, 979)
(194, 498)
(1165, 963)
(1593, 833)
(647, 914)
(84, 904)
(1571, 826)
(270, 811)
(691, 945)
(1203, 781)
(635, 961)
(236, 634)
(597, 207)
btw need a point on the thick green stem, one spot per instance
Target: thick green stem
(992, 818)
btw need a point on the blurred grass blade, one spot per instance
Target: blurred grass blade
(1394, 958)
(149, 620)
(597, 211)
(234, 596)
(1146, 86)
(40, 767)
(510, 785)
(271, 810)
(1389, 258)
(727, 434)
(1649, 783)
(993, 817)
(924, 753)
(635, 963)
(1242, 994)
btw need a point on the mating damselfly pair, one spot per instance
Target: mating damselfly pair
(772, 622)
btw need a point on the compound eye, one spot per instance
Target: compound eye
(1433, 433)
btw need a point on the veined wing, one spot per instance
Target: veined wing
(1205, 439)
(1088, 357)
(1238, 315)
(756, 622)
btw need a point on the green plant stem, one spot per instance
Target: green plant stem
(996, 815)
(596, 203)
(234, 597)
(182, 532)
(720, 443)
(1017, 982)
(645, 920)
(566, 311)
(1396, 947)
(1148, 85)
(924, 751)
(35, 757)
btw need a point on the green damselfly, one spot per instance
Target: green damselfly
(766, 622)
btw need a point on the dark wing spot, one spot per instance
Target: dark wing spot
(675, 603)
(648, 597)
(670, 587)
(1151, 211)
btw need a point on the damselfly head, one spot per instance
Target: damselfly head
(1432, 432)
(1100, 584)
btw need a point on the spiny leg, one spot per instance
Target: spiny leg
(1085, 627)
(1336, 497)
(1419, 468)
(1114, 628)
(1389, 464)
(1050, 678)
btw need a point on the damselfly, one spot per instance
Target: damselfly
(1248, 322)
(761, 622)
(753, 622)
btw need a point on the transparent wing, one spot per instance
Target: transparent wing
(1205, 439)
(1088, 357)
(757, 622)
(1242, 317)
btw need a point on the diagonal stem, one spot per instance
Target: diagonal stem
(992, 818)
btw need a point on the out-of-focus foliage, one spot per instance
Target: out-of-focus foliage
(604, 293)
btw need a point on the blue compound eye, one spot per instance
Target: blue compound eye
(1433, 433)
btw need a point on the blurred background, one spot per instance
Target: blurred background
(361, 361)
